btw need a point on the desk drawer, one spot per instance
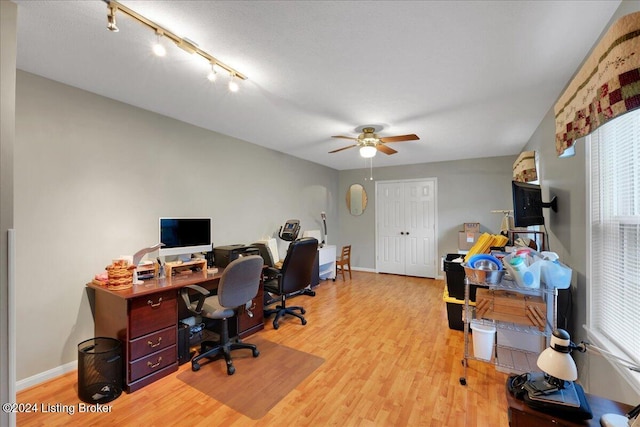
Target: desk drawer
(152, 342)
(152, 313)
(152, 363)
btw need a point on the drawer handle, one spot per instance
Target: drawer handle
(155, 365)
(152, 345)
(151, 303)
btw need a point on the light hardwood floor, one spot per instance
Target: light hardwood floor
(390, 360)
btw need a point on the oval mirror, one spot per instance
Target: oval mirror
(356, 199)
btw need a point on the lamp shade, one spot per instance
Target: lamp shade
(368, 151)
(556, 360)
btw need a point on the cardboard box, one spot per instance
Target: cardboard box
(467, 240)
(471, 227)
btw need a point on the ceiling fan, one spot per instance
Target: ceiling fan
(370, 143)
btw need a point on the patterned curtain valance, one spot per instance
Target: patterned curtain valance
(607, 85)
(524, 168)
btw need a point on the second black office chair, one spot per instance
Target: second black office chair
(291, 279)
(238, 285)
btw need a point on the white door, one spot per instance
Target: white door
(406, 224)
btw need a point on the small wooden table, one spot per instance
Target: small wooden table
(521, 415)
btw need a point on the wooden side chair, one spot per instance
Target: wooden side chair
(343, 262)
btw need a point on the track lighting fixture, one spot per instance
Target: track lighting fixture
(233, 84)
(213, 74)
(158, 47)
(111, 19)
(113, 6)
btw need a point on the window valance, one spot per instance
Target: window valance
(607, 85)
(524, 168)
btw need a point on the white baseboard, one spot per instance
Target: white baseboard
(368, 270)
(46, 376)
(373, 270)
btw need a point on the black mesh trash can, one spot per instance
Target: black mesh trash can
(99, 370)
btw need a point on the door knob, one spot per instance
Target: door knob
(402, 232)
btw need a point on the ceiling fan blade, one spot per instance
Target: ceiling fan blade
(385, 149)
(399, 138)
(345, 137)
(343, 148)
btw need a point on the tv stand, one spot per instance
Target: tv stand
(553, 204)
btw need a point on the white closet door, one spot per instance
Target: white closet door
(420, 229)
(406, 224)
(390, 223)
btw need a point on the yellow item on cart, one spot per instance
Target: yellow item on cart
(484, 244)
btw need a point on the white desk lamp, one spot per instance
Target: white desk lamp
(556, 362)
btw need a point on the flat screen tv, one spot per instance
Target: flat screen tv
(528, 204)
(185, 236)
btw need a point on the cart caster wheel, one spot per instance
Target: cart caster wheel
(195, 367)
(231, 370)
(463, 381)
(256, 353)
(463, 363)
(304, 321)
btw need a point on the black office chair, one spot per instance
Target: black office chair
(238, 285)
(291, 279)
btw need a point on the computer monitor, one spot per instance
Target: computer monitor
(528, 204)
(184, 236)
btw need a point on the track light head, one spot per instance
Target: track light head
(111, 20)
(233, 84)
(213, 74)
(158, 47)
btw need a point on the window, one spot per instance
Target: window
(613, 225)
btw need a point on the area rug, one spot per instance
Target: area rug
(258, 383)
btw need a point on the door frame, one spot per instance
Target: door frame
(435, 225)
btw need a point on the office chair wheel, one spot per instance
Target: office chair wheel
(256, 353)
(304, 321)
(463, 381)
(303, 311)
(195, 367)
(231, 370)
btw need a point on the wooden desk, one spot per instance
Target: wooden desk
(145, 318)
(521, 415)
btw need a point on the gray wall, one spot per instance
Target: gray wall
(93, 175)
(468, 190)
(8, 20)
(566, 178)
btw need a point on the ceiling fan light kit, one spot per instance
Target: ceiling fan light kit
(183, 43)
(368, 151)
(370, 143)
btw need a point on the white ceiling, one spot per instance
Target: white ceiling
(471, 78)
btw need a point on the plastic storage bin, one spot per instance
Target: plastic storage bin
(455, 308)
(454, 272)
(99, 370)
